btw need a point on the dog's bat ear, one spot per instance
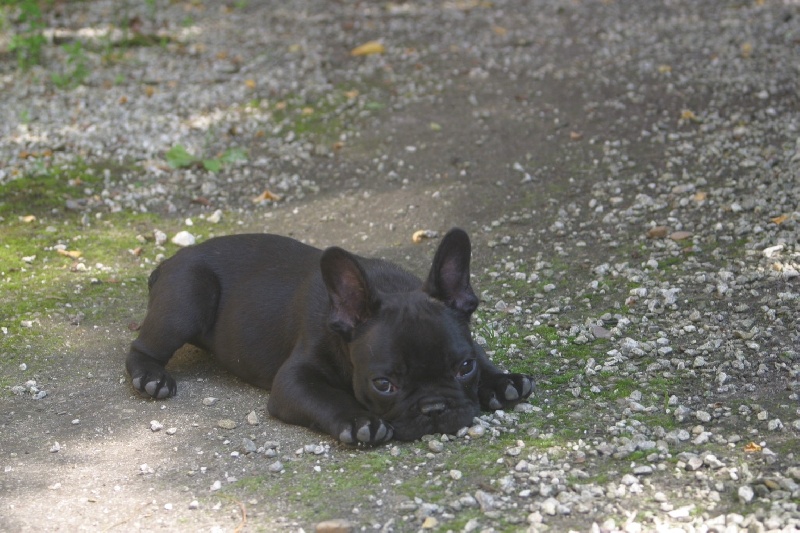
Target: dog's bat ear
(448, 279)
(348, 290)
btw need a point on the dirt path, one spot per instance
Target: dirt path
(629, 174)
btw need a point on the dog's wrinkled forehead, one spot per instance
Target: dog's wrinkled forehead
(424, 329)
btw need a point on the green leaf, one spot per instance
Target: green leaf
(179, 157)
(233, 155)
(212, 165)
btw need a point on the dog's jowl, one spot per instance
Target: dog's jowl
(355, 347)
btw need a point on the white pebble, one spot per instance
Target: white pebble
(183, 238)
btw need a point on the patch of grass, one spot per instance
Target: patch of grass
(27, 43)
(321, 119)
(179, 157)
(76, 70)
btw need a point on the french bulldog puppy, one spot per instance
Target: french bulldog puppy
(357, 348)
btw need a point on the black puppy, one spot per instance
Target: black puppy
(355, 347)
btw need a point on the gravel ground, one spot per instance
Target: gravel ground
(629, 172)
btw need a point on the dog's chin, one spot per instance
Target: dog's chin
(448, 423)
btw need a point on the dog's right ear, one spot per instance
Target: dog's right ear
(348, 290)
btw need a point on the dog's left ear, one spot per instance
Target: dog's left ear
(448, 279)
(348, 290)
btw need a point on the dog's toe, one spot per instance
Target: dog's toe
(494, 403)
(511, 393)
(527, 386)
(366, 431)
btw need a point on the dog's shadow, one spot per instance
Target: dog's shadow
(193, 366)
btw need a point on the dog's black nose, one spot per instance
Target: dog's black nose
(432, 407)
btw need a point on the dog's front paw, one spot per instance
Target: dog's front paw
(156, 384)
(502, 391)
(366, 430)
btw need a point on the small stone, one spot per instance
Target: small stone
(430, 523)
(215, 217)
(476, 431)
(643, 470)
(252, 418)
(485, 500)
(216, 486)
(694, 463)
(183, 238)
(745, 494)
(702, 416)
(600, 332)
(275, 467)
(160, 237)
(172, 431)
(514, 451)
(248, 446)
(455, 474)
(55, 448)
(209, 401)
(435, 446)
(155, 425)
(226, 423)
(194, 504)
(711, 461)
(338, 525)
(775, 425)
(549, 506)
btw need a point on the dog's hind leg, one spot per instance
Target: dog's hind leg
(182, 307)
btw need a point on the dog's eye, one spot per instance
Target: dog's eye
(384, 386)
(466, 368)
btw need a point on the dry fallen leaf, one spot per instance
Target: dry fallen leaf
(351, 94)
(657, 232)
(747, 50)
(149, 90)
(680, 235)
(250, 84)
(664, 69)
(123, 99)
(27, 219)
(752, 447)
(369, 48)
(780, 219)
(500, 31)
(307, 111)
(700, 196)
(73, 254)
(575, 135)
(418, 236)
(267, 195)
(688, 114)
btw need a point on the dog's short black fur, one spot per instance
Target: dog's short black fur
(355, 347)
